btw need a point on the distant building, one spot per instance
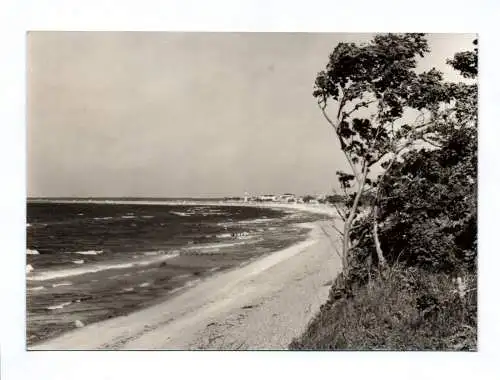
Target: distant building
(268, 198)
(287, 197)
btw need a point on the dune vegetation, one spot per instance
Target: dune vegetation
(409, 279)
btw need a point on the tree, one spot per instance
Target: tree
(430, 201)
(307, 198)
(374, 91)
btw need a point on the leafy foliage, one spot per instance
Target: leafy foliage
(421, 207)
(374, 87)
(428, 203)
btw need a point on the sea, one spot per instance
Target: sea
(90, 261)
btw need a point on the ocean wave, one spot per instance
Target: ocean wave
(144, 284)
(255, 221)
(226, 235)
(158, 259)
(67, 283)
(36, 225)
(225, 224)
(156, 253)
(59, 306)
(78, 261)
(128, 217)
(29, 268)
(207, 212)
(32, 252)
(91, 252)
(62, 273)
(35, 288)
(103, 218)
(235, 235)
(178, 213)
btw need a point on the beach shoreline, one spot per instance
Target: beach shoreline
(306, 207)
(93, 336)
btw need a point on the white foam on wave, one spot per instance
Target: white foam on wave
(213, 212)
(29, 268)
(144, 284)
(91, 252)
(147, 216)
(50, 275)
(67, 283)
(255, 221)
(128, 217)
(32, 252)
(78, 261)
(157, 259)
(59, 306)
(178, 213)
(128, 289)
(103, 218)
(153, 253)
(35, 288)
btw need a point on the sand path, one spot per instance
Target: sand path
(262, 305)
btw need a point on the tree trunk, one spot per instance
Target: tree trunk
(378, 248)
(352, 212)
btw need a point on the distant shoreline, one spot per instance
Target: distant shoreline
(307, 207)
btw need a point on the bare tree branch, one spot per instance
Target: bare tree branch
(342, 142)
(341, 214)
(358, 106)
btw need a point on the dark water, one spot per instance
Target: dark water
(139, 255)
(59, 231)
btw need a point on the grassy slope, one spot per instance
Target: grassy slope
(401, 309)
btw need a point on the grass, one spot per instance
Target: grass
(400, 309)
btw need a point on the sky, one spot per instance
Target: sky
(143, 114)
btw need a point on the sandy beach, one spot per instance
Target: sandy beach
(261, 305)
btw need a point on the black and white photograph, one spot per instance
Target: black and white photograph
(251, 191)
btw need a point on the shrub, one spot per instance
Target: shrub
(400, 309)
